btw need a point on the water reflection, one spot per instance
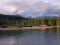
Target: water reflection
(30, 37)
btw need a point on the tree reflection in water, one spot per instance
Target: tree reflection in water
(31, 37)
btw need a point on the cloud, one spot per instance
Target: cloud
(15, 5)
(36, 10)
(26, 8)
(7, 9)
(52, 11)
(42, 9)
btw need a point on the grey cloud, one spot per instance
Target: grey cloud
(36, 10)
(26, 8)
(42, 9)
(52, 11)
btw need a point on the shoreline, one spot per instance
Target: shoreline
(25, 28)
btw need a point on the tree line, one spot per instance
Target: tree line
(25, 22)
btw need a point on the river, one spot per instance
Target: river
(30, 37)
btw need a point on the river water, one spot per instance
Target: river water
(30, 37)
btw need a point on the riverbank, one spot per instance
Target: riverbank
(24, 28)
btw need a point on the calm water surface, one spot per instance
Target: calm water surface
(30, 37)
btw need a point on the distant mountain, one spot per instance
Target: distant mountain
(46, 17)
(43, 17)
(18, 17)
(11, 17)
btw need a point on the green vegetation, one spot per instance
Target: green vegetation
(9, 20)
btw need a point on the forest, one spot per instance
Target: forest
(9, 20)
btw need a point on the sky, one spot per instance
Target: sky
(30, 8)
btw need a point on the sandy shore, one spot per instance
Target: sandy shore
(23, 28)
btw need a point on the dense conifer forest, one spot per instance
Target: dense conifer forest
(9, 20)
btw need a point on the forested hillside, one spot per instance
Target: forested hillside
(9, 20)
